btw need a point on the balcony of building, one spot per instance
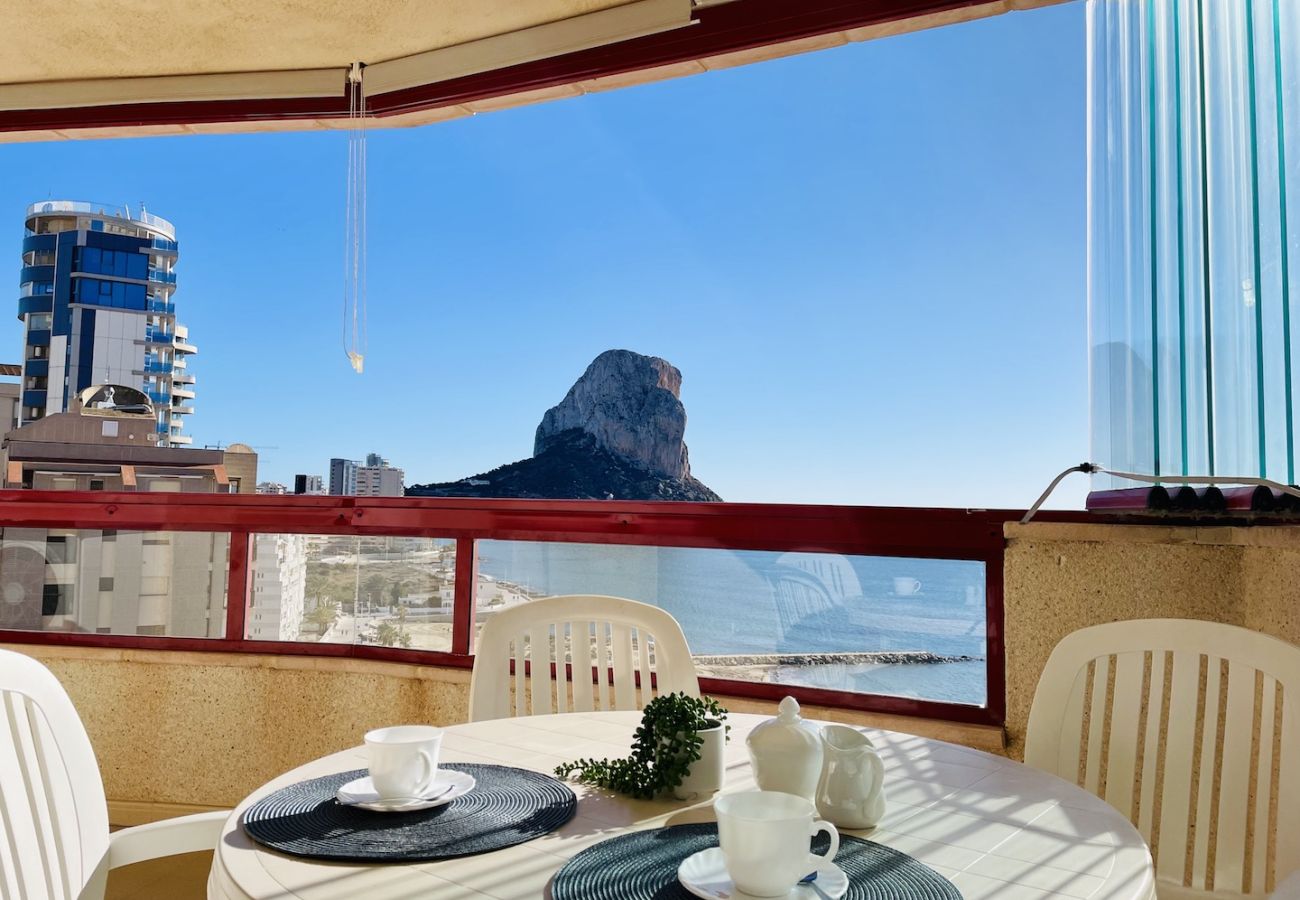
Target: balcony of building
(829, 600)
(71, 211)
(935, 623)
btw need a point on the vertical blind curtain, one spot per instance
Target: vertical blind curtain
(1193, 145)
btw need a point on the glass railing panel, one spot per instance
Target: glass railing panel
(345, 589)
(869, 624)
(161, 583)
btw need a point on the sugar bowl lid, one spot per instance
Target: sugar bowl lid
(785, 732)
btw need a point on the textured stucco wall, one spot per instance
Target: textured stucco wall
(207, 728)
(1062, 577)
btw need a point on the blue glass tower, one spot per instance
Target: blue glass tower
(96, 304)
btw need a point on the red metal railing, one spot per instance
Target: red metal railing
(872, 531)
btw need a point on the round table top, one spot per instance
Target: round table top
(994, 827)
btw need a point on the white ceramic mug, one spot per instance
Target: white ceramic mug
(764, 837)
(403, 760)
(905, 586)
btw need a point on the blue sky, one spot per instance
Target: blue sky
(868, 263)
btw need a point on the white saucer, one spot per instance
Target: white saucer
(704, 874)
(448, 784)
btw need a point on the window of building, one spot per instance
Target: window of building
(36, 382)
(60, 548)
(37, 351)
(54, 600)
(116, 294)
(39, 321)
(123, 264)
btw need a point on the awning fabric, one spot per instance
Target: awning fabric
(101, 68)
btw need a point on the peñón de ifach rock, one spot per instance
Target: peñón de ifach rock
(617, 434)
(631, 404)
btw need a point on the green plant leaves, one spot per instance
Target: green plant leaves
(664, 746)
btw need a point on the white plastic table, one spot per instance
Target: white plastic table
(994, 827)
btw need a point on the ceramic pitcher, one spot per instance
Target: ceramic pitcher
(851, 792)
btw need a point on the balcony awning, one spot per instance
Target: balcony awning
(100, 68)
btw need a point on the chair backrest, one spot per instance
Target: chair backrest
(53, 816)
(580, 636)
(1189, 728)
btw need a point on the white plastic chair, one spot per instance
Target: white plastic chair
(642, 645)
(1190, 729)
(54, 838)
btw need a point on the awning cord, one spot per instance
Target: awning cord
(1094, 469)
(354, 254)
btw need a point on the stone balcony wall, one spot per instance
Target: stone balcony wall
(1062, 577)
(175, 732)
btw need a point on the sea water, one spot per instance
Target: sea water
(771, 603)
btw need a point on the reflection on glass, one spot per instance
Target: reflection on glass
(169, 583)
(345, 589)
(884, 625)
(1192, 236)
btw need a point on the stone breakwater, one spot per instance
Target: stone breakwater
(882, 658)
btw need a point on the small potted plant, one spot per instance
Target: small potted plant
(677, 748)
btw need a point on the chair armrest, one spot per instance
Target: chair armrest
(168, 837)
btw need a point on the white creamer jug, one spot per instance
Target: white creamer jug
(851, 792)
(786, 753)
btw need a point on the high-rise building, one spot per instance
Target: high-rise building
(343, 476)
(380, 481)
(96, 304)
(308, 484)
(275, 608)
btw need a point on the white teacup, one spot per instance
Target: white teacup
(904, 586)
(403, 760)
(764, 837)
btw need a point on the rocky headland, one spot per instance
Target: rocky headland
(618, 434)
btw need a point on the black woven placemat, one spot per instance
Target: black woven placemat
(507, 806)
(643, 866)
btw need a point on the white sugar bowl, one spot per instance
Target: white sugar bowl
(786, 753)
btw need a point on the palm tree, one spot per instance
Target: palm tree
(389, 635)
